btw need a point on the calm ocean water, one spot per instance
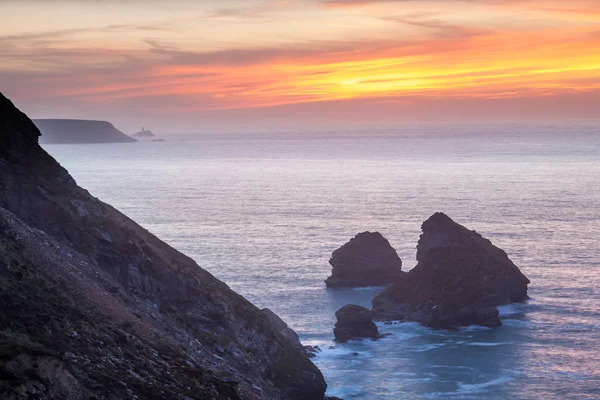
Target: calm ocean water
(263, 212)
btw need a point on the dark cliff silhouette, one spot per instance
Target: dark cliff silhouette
(95, 306)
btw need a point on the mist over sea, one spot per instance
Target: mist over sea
(264, 211)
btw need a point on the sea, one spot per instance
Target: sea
(264, 210)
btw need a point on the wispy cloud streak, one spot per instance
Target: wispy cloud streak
(232, 55)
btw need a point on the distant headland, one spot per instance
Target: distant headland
(66, 131)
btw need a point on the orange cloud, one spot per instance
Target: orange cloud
(439, 50)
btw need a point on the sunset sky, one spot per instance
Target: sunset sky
(184, 64)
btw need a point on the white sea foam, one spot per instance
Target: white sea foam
(345, 392)
(429, 347)
(510, 309)
(399, 334)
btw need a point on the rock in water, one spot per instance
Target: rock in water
(459, 280)
(354, 322)
(92, 305)
(367, 259)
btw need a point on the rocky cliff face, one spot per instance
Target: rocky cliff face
(65, 131)
(459, 280)
(282, 328)
(94, 306)
(367, 259)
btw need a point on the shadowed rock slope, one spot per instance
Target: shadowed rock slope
(94, 306)
(66, 131)
(459, 280)
(367, 259)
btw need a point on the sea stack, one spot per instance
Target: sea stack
(459, 280)
(95, 306)
(354, 322)
(367, 259)
(144, 133)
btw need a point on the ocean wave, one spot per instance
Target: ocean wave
(475, 328)
(578, 328)
(515, 322)
(407, 330)
(337, 352)
(510, 309)
(416, 380)
(481, 387)
(369, 288)
(488, 344)
(429, 347)
(412, 328)
(398, 334)
(347, 392)
(400, 373)
(469, 390)
(451, 367)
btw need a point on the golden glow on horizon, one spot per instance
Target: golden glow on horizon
(258, 54)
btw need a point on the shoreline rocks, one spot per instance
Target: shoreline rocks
(367, 259)
(354, 322)
(459, 280)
